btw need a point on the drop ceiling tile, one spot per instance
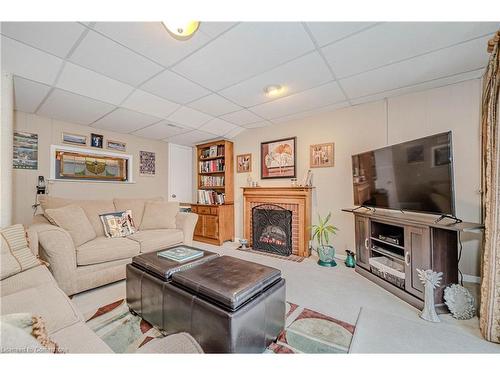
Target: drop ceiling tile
(103, 55)
(241, 117)
(460, 58)
(123, 120)
(172, 86)
(328, 32)
(218, 127)
(475, 74)
(313, 112)
(191, 138)
(28, 94)
(144, 102)
(214, 105)
(329, 93)
(28, 62)
(213, 29)
(248, 49)
(56, 38)
(394, 41)
(297, 75)
(151, 39)
(94, 85)
(160, 130)
(189, 117)
(233, 133)
(69, 107)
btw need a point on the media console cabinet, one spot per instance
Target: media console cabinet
(408, 242)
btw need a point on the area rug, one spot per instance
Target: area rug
(291, 258)
(306, 331)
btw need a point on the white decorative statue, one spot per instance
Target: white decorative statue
(430, 280)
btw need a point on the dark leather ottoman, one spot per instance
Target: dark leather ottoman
(227, 304)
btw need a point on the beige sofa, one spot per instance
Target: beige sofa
(35, 291)
(102, 260)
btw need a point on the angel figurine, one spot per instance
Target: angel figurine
(430, 280)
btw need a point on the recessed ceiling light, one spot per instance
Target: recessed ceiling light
(274, 90)
(182, 30)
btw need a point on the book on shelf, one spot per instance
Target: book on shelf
(211, 181)
(208, 166)
(212, 152)
(210, 197)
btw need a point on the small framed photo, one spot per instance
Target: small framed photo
(116, 145)
(322, 155)
(74, 139)
(96, 140)
(212, 151)
(244, 163)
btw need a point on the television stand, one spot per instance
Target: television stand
(444, 216)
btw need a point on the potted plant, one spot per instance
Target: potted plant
(321, 233)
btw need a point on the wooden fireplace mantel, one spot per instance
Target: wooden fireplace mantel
(300, 197)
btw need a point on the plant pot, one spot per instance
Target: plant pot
(326, 255)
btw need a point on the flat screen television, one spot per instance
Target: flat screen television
(411, 176)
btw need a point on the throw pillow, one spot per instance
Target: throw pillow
(118, 224)
(72, 218)
(15, 256)
(26, 333)
(159, 215)
(136, 205)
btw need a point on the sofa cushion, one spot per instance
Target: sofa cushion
(46, 301)
(79, 338)
(15, 255)
(92, 208)
(157, 239)
(104, 249)
(31, 278)
(73, 219)
(135, 205)
(159, 215)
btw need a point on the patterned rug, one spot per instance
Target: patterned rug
(291, 258)
(306, 331)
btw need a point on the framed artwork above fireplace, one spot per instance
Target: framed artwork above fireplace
(278, 158)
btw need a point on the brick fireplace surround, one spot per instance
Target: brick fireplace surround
(295, 199)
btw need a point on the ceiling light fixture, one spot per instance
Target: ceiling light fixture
(274, 90)
(181, 30)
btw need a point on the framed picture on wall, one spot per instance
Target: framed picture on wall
(25, 148)
(244, 163)
(321, 155)
(74, 139)
(116, 145)
(278, 158)
(96, 140)
(147, 163)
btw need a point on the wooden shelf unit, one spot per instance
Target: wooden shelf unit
(215, 221)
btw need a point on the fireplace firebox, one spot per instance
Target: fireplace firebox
(272, 229)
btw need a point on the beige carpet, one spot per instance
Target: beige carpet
(338, 292)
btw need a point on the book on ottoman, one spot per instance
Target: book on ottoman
(181, 254)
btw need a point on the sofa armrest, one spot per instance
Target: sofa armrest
(58, 249)
(186, 221)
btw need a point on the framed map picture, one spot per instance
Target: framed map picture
(321, 155)
(278, 158)
(25, 151)
(244, 163)
(147, 161)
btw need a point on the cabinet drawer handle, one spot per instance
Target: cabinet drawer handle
(366, 243)
(407, 258)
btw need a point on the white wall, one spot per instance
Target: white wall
(49, 132)
(374, 125)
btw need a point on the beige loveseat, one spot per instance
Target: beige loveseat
(36, 292)
(102, 260)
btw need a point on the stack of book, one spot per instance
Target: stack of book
(210, 197)
(212, 181)
(216, 165)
